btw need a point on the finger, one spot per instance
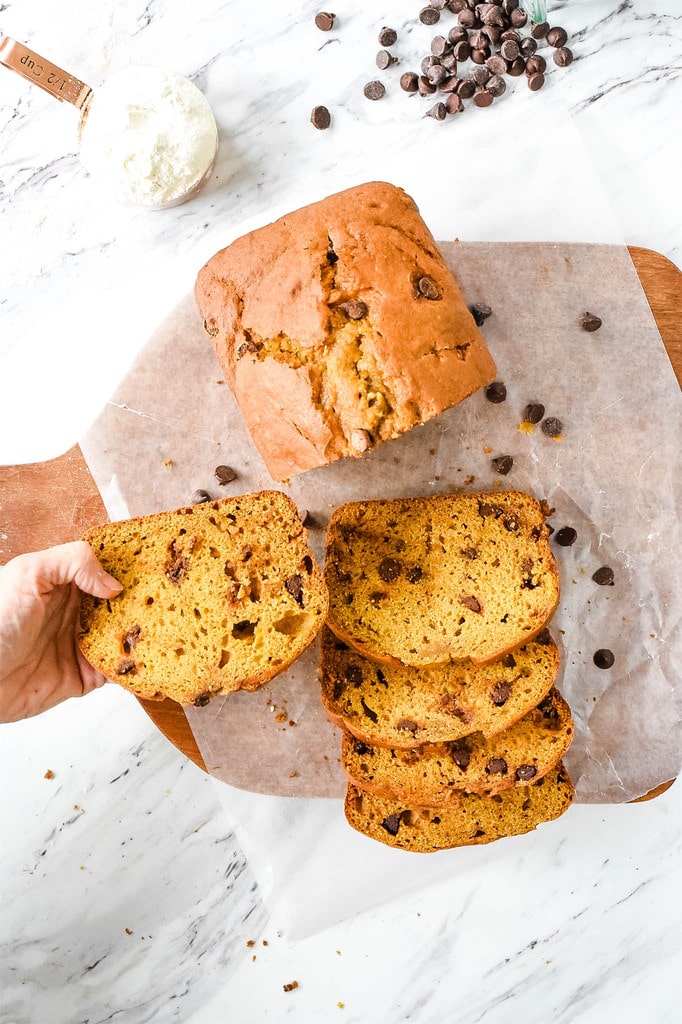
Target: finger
(76, 563)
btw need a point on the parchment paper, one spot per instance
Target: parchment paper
(613, 476)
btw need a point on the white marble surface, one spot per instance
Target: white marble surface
(125, 895)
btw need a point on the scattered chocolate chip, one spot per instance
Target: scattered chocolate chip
(603, 658)
(361, 748)
(325, 21)
(518, 18)
(377, 597)
(557, 36)
(202, 700)
(438, 112)
(414, 574)
(536, 65)
(483, 98)
(497, 65)
(320, 118)
(429, 16)
(509, 49)
(409, 81)
(407, 725)
(502, 464)
(533, 412)
(500, 693)
(496, 766)
(471, 602)
(480, 312)
(539, 30)
(390, 569)
(384, 60)
(536, 81)
(131, 638)
(552, 426)
(496, 392)
(126, 667)
(224, 474)
(470, 553)
(199, 496)
(388, 36)
(453, 103)
(527, 47)
(427, 287)
(392, 822)
(562, 57)
(294, 586)
(496, 86)
(355, 309)
(460, 754)
(517, 67)
(544, 637)
(466, 88)
(566, 536)
(604, 576)
(354, 675)
(589, 322)
(466, 18)
(526, 772)
(372, 715)
(424, 87)
(509, 661)
(480, 75)
(374, 90)
(511, 522)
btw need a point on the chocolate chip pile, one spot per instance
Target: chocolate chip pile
(488, 36)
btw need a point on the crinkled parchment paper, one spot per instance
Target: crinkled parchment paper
(613, 475)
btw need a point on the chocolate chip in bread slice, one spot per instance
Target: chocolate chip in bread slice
(216, 597)
(477, 819)
(428, 580)
(437, 773)
(397, 706)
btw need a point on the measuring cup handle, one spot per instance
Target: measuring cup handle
(43, 73)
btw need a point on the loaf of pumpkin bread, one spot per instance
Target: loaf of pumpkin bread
(339, 326)
(423, 581)
(216, 597)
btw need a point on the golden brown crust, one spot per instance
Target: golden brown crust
(216, 597)
(340, 318)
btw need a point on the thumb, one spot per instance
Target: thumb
(76, 563)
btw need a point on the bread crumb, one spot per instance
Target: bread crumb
(128, 931)
(293, 775)
(169, 462)
(487, 449)
(49, 774)
(280, 717)
(265, 942)
(342, 1006)
(291, 722)
(250, 943)
(290, 986)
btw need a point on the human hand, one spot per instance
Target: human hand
(40, 662)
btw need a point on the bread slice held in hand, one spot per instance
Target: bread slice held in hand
(400, 707)
(424, 581)
(436, 774)
(216, 597)
(475, 820)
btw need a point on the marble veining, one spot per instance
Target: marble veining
(125, 894)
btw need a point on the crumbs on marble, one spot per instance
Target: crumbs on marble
(128, 931)
(169, 462)
(49, 774)
(290, 986)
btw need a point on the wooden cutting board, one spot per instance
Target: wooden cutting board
(42, 504)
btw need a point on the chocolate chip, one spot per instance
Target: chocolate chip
(390, 569)
(461, 50)
(202, 700)
(126, 667)
(472, 603)
(480, 312)
(361, 748)
(511, 522)
(320, 118)
(552, 426)
(562, 57)
(460, 754)
(325, 21)
(533, 412)
(517, 67)
(374, 90)
(439, 46)
(354, 675)
(496, 392)
(509, 661)
(509, 49)
(372, 715)
(392, 822)
(496, 766)
(407, 725)
(429, 16)
(518, 18)
(480, 75)
(377, 597)
(224, 474)
(544, 637)
(497, 65)
(453, 103)
(469, 553)
(527, 47)
(496, 85)
(294, 586)
(483, 98)
(388, 37)
(384, 60)
(604, 576)
(414, 574)
(131, 638)
(566, 536)
(589, 322)
(436, 74)
(479, 56)
(467, 18)
(409, 81)
(427, 287)
(466, 88)
(526, 772)
(424, 87)
(603, 658)
(199, 496)
(502, 464)
(535, 65)
(539, 30)
(536, 81)
(500, 693)
(557, 36)
(438, 112)
(355, 309)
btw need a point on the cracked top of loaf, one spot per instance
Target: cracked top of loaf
(339, 326)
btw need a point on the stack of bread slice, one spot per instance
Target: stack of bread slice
(438, 666)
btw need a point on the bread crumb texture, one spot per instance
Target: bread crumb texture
(340, 326)
(216, 597)
(424, 581)
(475, 820)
